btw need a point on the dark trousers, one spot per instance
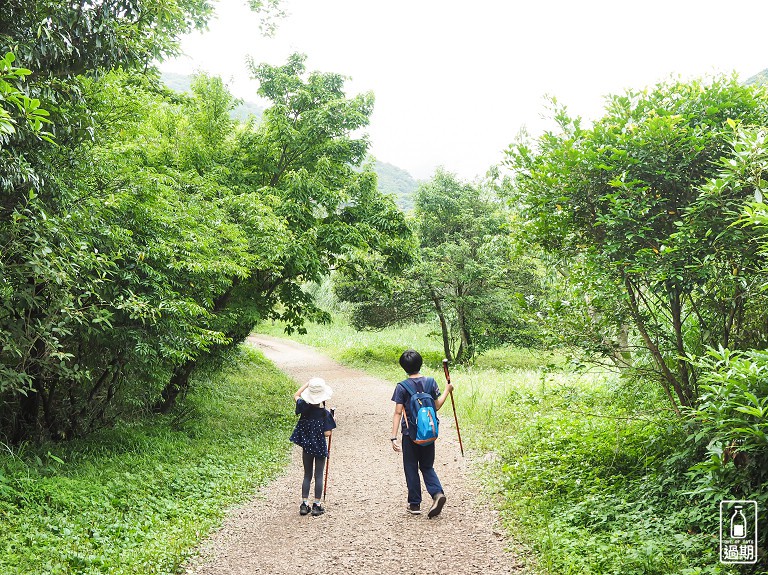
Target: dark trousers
(419, 458)
(309, 462)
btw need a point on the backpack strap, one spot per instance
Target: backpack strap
(410, 391)
(423, 386)
(407, 387)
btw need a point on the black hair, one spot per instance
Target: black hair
(411, 361)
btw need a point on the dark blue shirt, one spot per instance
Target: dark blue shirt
(310, 430)
(426, 384)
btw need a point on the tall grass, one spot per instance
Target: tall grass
(139, 497)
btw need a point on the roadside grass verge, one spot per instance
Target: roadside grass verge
(138, 498)
(588, 470)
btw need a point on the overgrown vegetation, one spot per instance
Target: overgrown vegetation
(139, 497)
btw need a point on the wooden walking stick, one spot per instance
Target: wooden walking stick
(455, 419)
(328, 460)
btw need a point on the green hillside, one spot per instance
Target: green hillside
(759, 78)
(397, 182)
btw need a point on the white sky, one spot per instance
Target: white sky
(455, 81)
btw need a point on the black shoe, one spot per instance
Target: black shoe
(304, 509)
(317, 509)
(414, 509)
(437, 505)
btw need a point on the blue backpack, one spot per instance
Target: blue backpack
(420, 409)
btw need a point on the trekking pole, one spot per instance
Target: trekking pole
(328, 461)
(455, 419)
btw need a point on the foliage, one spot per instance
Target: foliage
(732, 422)
(298, 199)
(466, 272)
(122, 273)
(632, 200)
(140, 497)
(159, 238)
(16, 105)
(242, 112)
(52, 278)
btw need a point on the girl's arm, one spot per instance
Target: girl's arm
(297, 395)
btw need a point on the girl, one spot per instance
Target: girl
(314, 425)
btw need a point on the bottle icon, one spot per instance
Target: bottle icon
(738, 524)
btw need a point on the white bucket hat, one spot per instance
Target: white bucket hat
(317, 391)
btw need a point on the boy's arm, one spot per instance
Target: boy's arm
(443, 396)
(396, 417)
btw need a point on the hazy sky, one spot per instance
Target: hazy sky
(456, 81)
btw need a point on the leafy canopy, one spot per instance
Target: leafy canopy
(631, 199)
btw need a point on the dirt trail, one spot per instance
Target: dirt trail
(366, 530)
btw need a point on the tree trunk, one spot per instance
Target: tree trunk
(443, 325)
(178, 384)
(676, 310)
(668, 378)
(467, 347)
(622, 357)
(27, 421)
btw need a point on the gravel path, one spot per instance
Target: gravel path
(365, 530)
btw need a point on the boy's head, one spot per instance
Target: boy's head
(411, 361)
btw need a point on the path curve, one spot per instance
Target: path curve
(366, 530)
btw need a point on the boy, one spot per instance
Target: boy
(417, 457)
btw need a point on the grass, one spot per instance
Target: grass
(138, 498)
(378, 351)
(584, 466)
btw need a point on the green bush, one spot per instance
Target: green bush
(730, 430)
(585, 482)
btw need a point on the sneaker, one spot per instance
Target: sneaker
(437, 505)
(317, 509)
(304, 509)
(414, 509)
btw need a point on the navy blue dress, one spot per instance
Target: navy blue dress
(310, 430)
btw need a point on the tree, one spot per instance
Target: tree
(85, 308)
(60, 46)
(630, 199)
(466, 272)
(297, 165)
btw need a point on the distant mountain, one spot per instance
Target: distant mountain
(398, 182)
(177, 82)
(392, 180)
(759, 78)
(183, 83)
